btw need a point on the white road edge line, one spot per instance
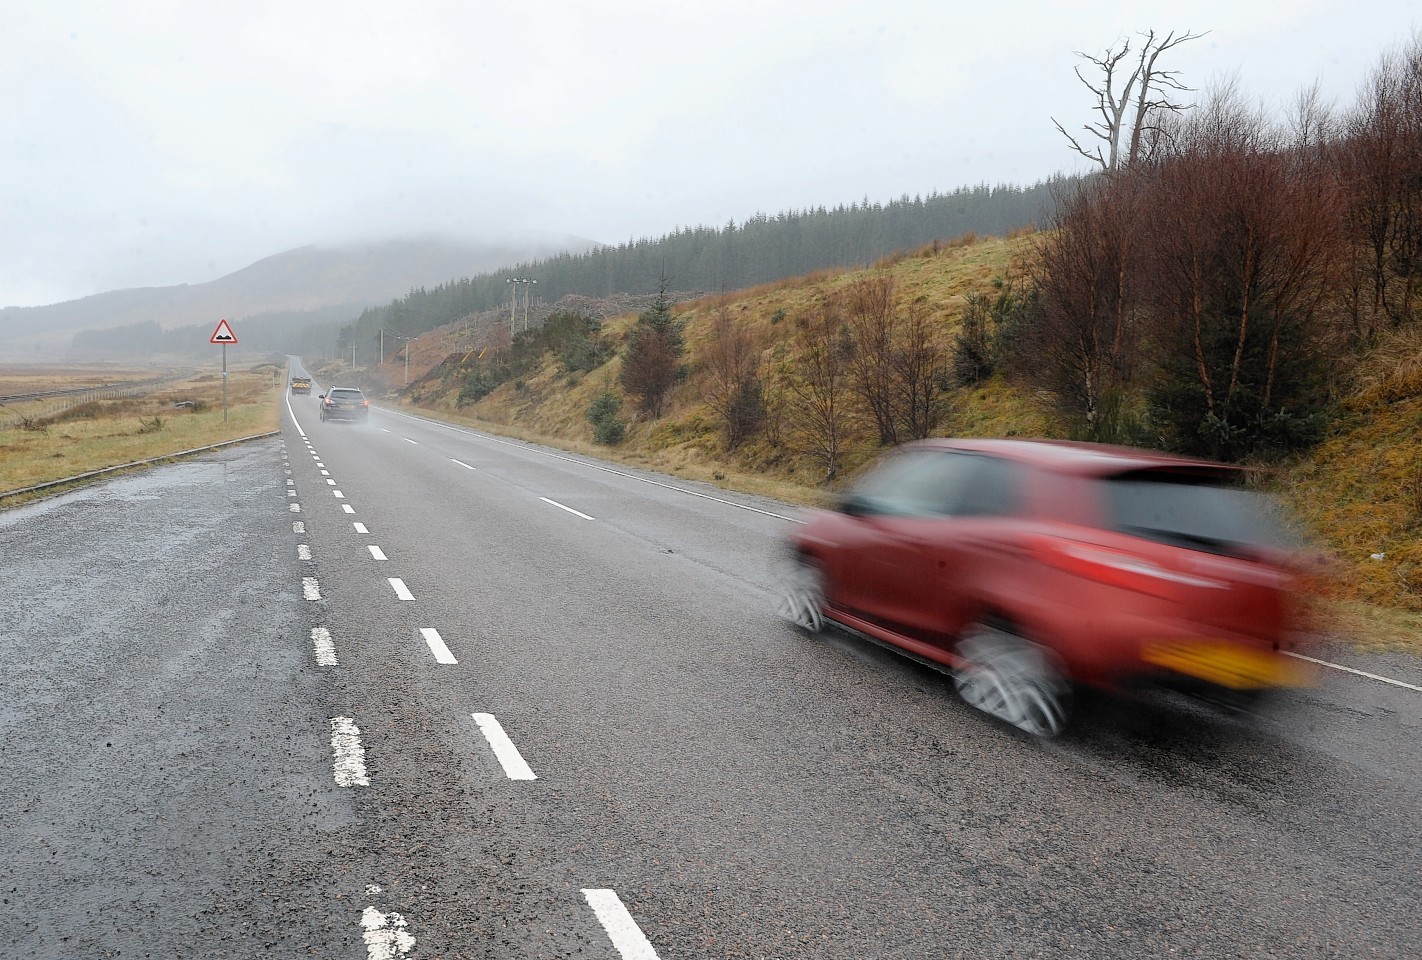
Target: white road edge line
(325, 649)
(408, 440)
(1359, 673)
(621, 929)
(562, 507)
(376, 553)
(437, 646)
(385, 935)
(349, 755)
(595, 466)
(401, 591)
(461, 463)
(503, 747)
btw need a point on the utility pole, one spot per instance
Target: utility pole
(513, 314)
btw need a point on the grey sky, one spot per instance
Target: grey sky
(152, 143)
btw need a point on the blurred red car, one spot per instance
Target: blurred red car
(1027, 568)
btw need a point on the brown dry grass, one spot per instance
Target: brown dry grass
(110, 432)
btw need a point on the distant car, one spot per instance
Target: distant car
(345, 403)
(300, 384)
(1027, 568)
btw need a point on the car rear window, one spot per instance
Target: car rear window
(1205, 513)
(344, 393)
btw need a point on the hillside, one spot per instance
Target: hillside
(1360, 491)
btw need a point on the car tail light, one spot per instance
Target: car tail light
(365, 403)
(1118, 568)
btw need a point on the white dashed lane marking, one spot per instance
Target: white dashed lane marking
(298, 527)
(401, 591)
(325, 649)
(560, 506)
(376, 553)
(621, 929)
(349, 755)
(408, 440)
(347, 508)
(499, 742)
(437, 646)
(339, 494)
(303, 551)
(360, 527)
(385, 935)
(461, 463)
(330, 482)
(310, 588)
(294, 508)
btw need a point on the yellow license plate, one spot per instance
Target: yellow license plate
(1227, 664)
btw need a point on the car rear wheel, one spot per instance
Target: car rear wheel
(1013, 679)
(802, 596)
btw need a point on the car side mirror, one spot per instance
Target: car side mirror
(855, 505)
(320, 396)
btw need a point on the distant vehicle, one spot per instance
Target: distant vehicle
(345, 403)
(300, 384)
(1027, 568)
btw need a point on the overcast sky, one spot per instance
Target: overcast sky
(154, 143)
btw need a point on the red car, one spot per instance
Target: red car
(1026, 568)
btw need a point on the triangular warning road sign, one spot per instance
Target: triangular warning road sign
(223, 334)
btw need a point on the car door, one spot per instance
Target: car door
(890, 542)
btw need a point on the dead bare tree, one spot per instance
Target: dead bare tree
(1127, 112)
(816, 384)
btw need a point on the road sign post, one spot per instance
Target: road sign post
(223, 335)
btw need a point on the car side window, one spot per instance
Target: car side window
(993, 489)
(940, 483)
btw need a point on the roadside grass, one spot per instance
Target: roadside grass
(106, 433)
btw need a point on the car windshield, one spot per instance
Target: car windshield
(1201, 513)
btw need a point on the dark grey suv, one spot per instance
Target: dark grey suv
(345, 403)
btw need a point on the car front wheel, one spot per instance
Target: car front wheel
(802, 596)
(1013, 679)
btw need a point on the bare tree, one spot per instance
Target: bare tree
(816, 384)
(871, 312)
(1129, 93)
(733, 386)
(917, 363)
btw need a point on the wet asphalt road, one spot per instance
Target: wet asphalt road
(170, 783)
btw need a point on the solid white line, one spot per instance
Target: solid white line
(503, 747)
(621, 929)
(569, 509)
(303, 551)
(347, 508)
(385, 935)
(293, 418)
(349, 762)
(461, 463)
(339, 494)
(377, 553)
(325, 649)
(408, 440)
(595, 466)
(360, 527)
(436, 644)
(294, 508)
(298, 527)
(1359, 673)
(401, 591)
(310, 588)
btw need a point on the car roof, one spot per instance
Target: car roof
(1067, 456)
(347, 389)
